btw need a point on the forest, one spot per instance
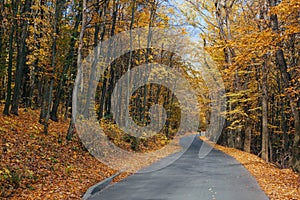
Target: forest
(255, 45)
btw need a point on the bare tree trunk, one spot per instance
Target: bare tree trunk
(71, 128)
(49, 90)
(129, 62)
(148, 52)
(69, 62)
(112, 70)
(104, 81)
(247, 141)
(21, 59)
(265, 132)
(10, 63)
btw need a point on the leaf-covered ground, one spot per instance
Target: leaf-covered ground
(278, 184)
(38, 166)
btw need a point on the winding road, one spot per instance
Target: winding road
(215, 177)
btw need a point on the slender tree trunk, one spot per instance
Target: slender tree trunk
(265, 132)
(37, 68)
(48, 100)
(2, 56)
(98, 27)
(133, 8)
(10, 63)
(43, 92)
(21, 59)
(148, 52)
(225, 35)
(112, 70)
(247, 141)
(71, 128)
(102, 97)
(92, 73)
(68, 102)
(69, 62)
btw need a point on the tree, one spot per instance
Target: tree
(253, 43)
(79, 59)
(22, 36)
(10, 59)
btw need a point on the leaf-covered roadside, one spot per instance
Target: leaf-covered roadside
(38, 166)
(278, 184)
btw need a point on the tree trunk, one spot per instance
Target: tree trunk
(265, 133)
(112, 70)
(49, 90)
(71, 129)
(247, 141)
(148, 52)
(281, 62)
(21, 59)
(10, 63)
(69, 62)
(295, 162)
(94, 65)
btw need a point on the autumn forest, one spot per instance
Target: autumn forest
(255, 45)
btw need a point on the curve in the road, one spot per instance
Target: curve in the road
(215, 177)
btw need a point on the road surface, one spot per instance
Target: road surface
(215, 177)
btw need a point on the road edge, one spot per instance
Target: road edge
(99, 186)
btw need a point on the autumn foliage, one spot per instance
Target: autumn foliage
(254, 44)
(38, 166)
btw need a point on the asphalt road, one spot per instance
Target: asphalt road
(215, 177)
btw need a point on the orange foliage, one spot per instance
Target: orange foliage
(38, 166)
